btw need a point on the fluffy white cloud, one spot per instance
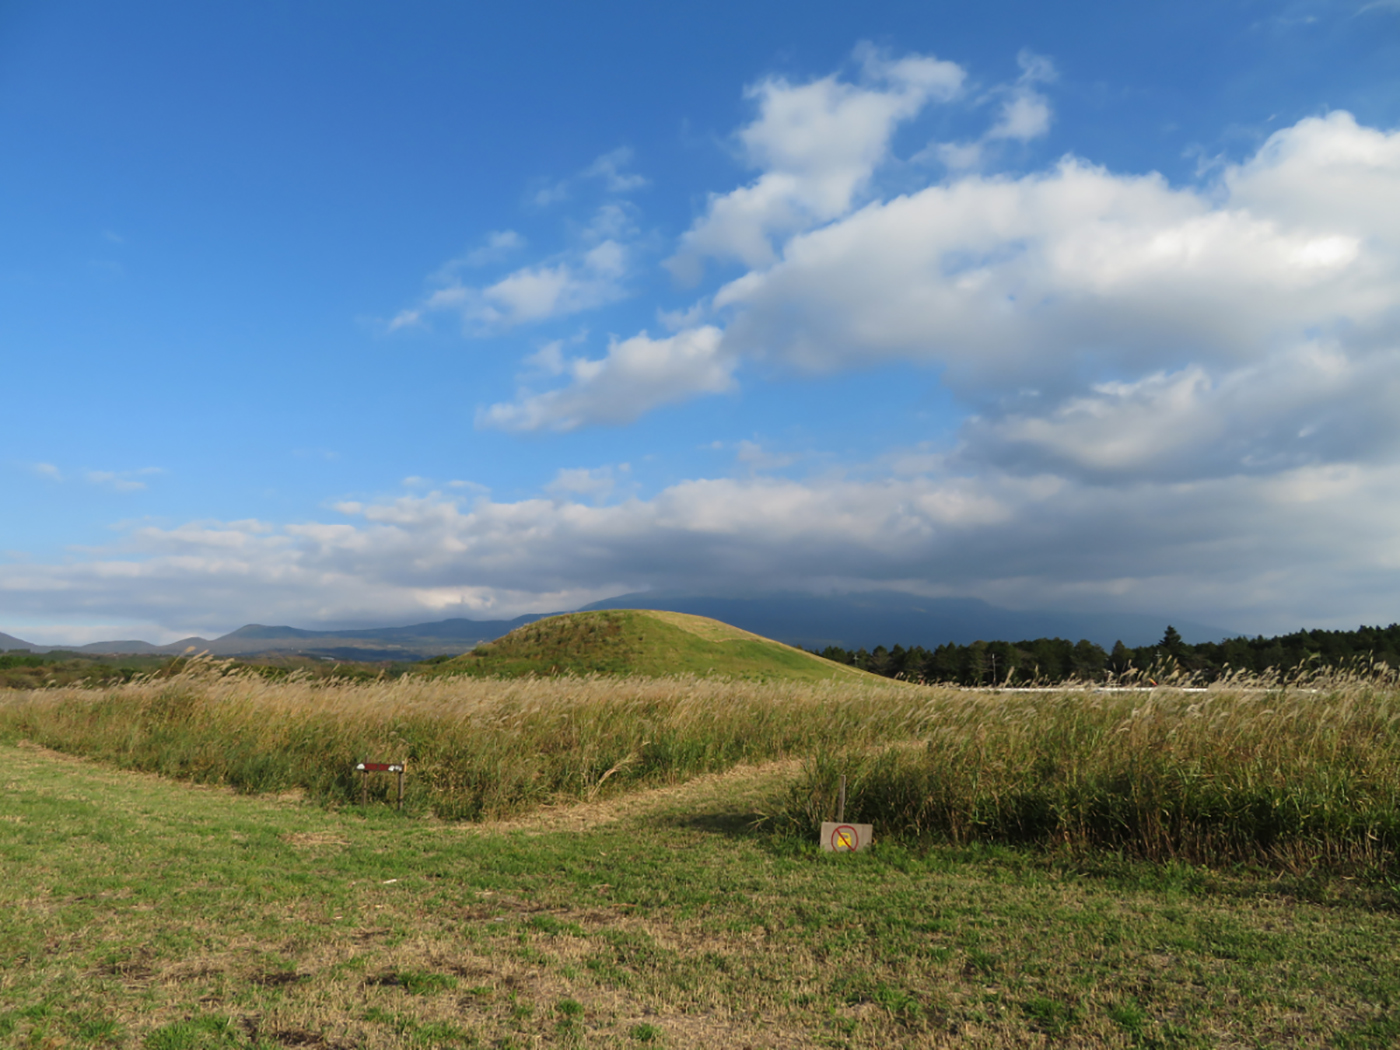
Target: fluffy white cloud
(582, 281)
(1009, 282)
(1102, 324)
(637, 375)
(1023, 114)
(1115, 325)
(817, 145)
(1312, 405)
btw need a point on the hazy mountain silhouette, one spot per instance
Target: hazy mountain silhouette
(811, 621)
(414, 642)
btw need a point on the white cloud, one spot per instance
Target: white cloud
(538, 292)
(637, 375)
(610, 168)
(1026, 281)
(1326, 174)
(595, 483)
(1036, 69)
(754, 456)
(1309, 406)
(956, 156)
(1024, 113)
(1024, 116)
(590, 274)
(1250, 324)
(498, 245)
(550, 194)
(47, 470)
(817, 145)
(121, 481)
(615, 220)
(581, 280)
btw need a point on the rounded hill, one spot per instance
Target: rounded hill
(642, 642)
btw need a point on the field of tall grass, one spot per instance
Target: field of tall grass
(1300, 780)
(475, 748)
(1258, 772)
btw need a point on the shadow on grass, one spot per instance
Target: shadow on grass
(731, 823)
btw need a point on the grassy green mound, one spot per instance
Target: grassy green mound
(642, 642)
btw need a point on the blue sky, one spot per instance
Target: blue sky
(346, 314)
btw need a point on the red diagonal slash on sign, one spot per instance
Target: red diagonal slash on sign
(845, 838)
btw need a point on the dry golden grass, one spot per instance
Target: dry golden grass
(477, 747)
(1260, 772)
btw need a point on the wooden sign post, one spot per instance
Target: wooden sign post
(840, 837)
(366, 768)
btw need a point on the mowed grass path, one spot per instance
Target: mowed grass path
(141, 912)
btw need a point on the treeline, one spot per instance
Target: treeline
(1051, 660)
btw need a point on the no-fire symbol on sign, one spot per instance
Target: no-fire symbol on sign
(845, 838)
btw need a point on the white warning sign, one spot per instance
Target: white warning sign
(846, 838)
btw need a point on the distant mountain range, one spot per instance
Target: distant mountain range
(851, 621)
(415, 642)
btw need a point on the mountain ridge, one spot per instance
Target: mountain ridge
(856, 620)
(9, 641)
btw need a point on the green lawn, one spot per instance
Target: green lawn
(141, 912)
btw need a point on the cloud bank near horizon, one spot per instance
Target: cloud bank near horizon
(1208, 549)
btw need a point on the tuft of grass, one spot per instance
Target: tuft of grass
(423, 982)
(206, 1032)
(1054, 1017)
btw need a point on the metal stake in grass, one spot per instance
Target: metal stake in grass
(366, 768)
(841, 801)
